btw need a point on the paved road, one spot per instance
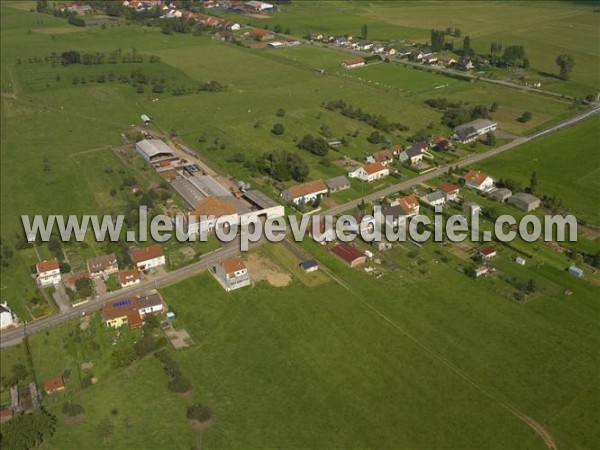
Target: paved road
(14, 336)
(339, 209)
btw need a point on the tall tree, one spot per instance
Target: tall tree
(565, 64)
(467, 50)
(437, 40)
(364, 31)
(533, 182)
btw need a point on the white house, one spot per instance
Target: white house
(436, 198)
(413, 154)
(305, 192)
(148, 257)
(479, 180)
(471, 131)
(409, 204)
(451, 191)
(232, 273)
(149, 304)
(48, 273)
(7, 318)
(370, 172)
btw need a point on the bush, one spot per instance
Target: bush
(179, 384)
(278, 129)
(72, 409)
(199, 412)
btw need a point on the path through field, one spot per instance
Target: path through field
(539, 429)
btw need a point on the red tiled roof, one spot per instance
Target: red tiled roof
(383, 155)
(260, 32)
(46, 266)
(487, 251)
(408, 203)
(347, 252)
(214, 206)
(127, 276)
(233, 264)
(54, 384)
(300, 190)
(373, 168)
(475, 177)
(448, 188)
(352, 62)
(145, 254)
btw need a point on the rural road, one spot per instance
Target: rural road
(15, 335)
(336, 210)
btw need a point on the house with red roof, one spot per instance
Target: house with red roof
(232, 273)
(370, 172)
(487, 252)
(148, 257)
(129, 277)
(451, 191)
(261, 34)
(48, 273)
(478, 180)
(301, 194)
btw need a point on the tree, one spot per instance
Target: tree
(280, 112)
(525, 117)
(364, 31)
(20, 371)
(278, 129)
(179, 384)
(514, 55)
(277, 28)
(490, 139)
(26, 431)
(467, 50)
(533, 182)
(41, 6)
(457, 32)
(565, 64)
(72, 409)
(198, 412)
(494, 107)
(437, 40)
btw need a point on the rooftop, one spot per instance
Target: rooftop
(147, 253)
(347, 252)
(300, 190)
(47, 266)
(232, 265)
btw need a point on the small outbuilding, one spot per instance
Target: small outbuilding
(309, 265)
(55, 384)
(501, 195)
(575, 271)
(520, 261)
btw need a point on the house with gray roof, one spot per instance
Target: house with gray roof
(471, 131)
(337, 183)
